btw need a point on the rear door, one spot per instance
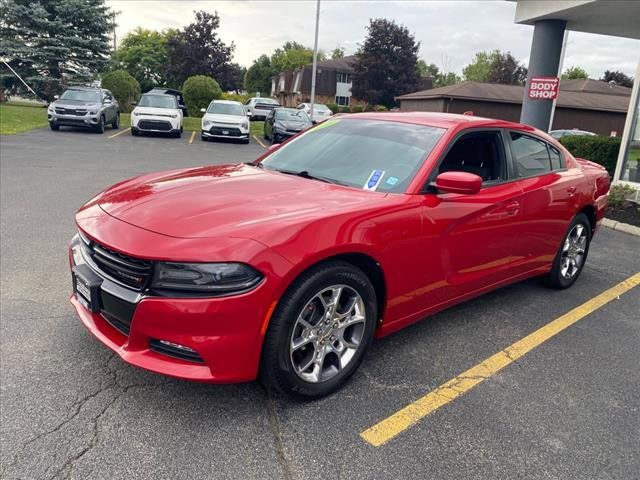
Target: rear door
(548, 199)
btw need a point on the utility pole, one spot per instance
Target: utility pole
(315, 61)
(113, 20)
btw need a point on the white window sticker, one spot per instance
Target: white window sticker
(374, 180)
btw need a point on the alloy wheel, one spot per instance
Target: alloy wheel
(573, 251)
(327, 334)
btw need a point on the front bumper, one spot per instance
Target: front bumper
(73, 120)
(155, 124)
(232, 132)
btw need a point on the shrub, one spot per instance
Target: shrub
(198, 92)
(333, 107)
(124, 87)
(619, 193)
(368, 107)
(380, 108)
(356, 108)
(236, 97)
(599, 149)
(344, 110)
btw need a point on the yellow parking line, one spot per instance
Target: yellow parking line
(193, 135)
(258, 140)
(408, 416)
(120, 132)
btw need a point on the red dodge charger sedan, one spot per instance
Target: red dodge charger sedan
(287, 268)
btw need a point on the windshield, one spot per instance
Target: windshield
(319, 108)
(226, 108)
(368, 154)
(81, 95)
(157, 101)
(292, 115)
(269, 101)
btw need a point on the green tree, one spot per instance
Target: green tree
(198, 92)
(337, 53)
(495, 67)
(197, 50)
(293, 55)
(51, 43)
(386, 64)
(143, 53)
(440, 79)
(574, 73)
(618, 78)
(125, 88)
(258, 76)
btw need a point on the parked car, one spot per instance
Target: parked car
(321, 112)
(175, 93)
(157, 113)
(557, 134)
(259, 107)
(89, 107)
(225, 119)
(287, 268)
(283, 123)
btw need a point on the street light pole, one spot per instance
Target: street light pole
(315, 61)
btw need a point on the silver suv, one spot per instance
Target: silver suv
(89, 107)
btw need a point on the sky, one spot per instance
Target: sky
(450, 33)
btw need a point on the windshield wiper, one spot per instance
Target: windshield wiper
(306, 174)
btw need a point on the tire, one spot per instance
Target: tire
(245, 141)
(203, 138)
(177, 134)
(274, 139)
(572, 254)
(134, 132)
(54, 127)
(100, 126)
(286, 368)
(116, 122)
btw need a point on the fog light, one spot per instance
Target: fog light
(177, 345)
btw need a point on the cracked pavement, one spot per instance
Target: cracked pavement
(72, 409)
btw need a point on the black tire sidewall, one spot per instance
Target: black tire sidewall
(100, 125)
(555, 278)
(276, 368)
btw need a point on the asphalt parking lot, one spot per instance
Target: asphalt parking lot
(568, 409)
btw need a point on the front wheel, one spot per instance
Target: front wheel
(572, 254)
(116, 122)
(55, 127)
(100, 126)
(320, 331)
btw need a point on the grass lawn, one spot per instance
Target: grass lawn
(257, 129)
(16, 118)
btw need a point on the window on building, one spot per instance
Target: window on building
(342, 101)
(343, 77)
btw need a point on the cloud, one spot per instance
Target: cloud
(450, 33)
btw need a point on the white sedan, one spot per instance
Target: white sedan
(320, 112)
(225, 119)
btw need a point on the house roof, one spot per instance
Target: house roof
(577, 95)
(343, 63)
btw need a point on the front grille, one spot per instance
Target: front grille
(231, 132)
(70, 111)
(154, 125)
(130, 271)
(176, 352)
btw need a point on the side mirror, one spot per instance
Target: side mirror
(107, 101)
(203, 110)
(56, 97)
(134, 103)
(248, 114)
(273, 147)
(458, 182)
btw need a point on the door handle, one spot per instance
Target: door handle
(512, 208)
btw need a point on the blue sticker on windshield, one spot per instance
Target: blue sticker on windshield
(374, 180)
(391, 181)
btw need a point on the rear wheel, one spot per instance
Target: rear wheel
(572, 254)
(320, 331)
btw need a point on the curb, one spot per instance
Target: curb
(621, 227)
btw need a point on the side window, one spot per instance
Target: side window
(481, 153)
(530, 155)
(556, 159)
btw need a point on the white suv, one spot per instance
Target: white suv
(157, 113)
(225, 119)
(259, 107)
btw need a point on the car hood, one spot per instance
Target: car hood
(155, 111)
(229, 201)
(293, 125)
(220, 118)
(76, 104)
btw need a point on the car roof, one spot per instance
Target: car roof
(82, 87)
(436, 119)
(229, 102)
(168, 91)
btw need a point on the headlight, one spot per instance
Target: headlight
(173, 115)
(213, 278)
(134, 113)
(206, 123)
(245, 125)
(92, 112)
(50, 108)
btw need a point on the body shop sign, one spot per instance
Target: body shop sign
(544, 88)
